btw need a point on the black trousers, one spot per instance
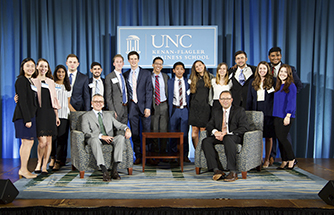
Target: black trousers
(59, 142)
(230, 147)
(284, 144)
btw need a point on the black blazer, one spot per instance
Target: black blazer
(26, 106)
(239, 93)
(237, 121)
(80, 99)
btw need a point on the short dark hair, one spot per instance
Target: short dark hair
(239, 52)
(72, 55)
(95, 64)
(225, 91)
(158, 58)
(275, 49)
(177, 64)
(133, 53)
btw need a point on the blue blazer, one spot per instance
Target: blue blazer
(268, 102)
(144, 88)
(80, 99)
(170, 84)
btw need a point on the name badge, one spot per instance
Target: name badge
(44, 85)
(58, 88)
(114, 80)
(188, 92)
(91, 85)
(271, 90)
(34, 88)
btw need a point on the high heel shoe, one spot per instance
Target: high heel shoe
(294, 164)
(28, 176)
(266, 164)
(38, 171)
(282, 168)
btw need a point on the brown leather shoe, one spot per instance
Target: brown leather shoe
(218, 174)
(138, 161)
(116, 176)
(232, 176)
(186, 159)
(106, 176)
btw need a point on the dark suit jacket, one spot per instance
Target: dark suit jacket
(90, 80)
(237, 121)
(144, 88)
(239, 93)
(170, 84)
(268, 102)
(26, 106)
(296, 78)
(113, 93)
(80, 99)
(166, 78)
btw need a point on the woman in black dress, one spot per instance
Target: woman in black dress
(25, 114)
(47, 114)
(199, 108)
(260, 97)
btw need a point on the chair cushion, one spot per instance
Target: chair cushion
(255, 119)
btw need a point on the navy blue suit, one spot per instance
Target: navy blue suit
(178, 118)
(80, 99)
(136, 110)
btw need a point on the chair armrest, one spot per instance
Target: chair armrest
(252, 143)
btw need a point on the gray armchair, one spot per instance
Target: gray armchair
(249, 154)
(81, 154)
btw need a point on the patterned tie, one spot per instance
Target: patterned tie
(224, 127)
(180, 93)
(102, 130)
(97, 88)
(71, 76)
(241, 78)
(157, 90)
(134, 87)
(123, 90)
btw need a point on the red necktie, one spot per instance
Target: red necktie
(157, 90)
(180, 93)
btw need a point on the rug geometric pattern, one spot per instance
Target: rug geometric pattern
(168, 182)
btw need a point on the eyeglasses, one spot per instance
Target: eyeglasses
(225, 99)
(101, 102)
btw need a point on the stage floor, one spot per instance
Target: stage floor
(323, 168)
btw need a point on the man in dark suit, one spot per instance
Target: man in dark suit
(139, 85)
(96, 83)
(159, 114)
(80, 99)
(116, 92)
(178, 104)
(98, 127)
(275, 58)
(226, 126)
(240, 75)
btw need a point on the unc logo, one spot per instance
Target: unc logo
(165, 39)
(132, 44)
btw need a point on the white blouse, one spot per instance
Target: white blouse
(217, 88)
(63, 95)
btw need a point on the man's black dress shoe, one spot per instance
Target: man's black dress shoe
(232, 176)
(218, 174)
(116, 176)
(106, 176)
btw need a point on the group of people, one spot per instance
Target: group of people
(153, 101)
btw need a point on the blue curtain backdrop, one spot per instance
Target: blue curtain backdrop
(52, 29)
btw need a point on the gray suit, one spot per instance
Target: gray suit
(91, 129)
(114, 97)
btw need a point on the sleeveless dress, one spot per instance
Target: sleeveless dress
(45, 116)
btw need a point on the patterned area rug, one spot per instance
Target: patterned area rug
(166, 181)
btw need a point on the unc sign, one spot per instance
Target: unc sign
(181, 43)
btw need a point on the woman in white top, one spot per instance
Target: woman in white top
(59, 142)
(220, 83)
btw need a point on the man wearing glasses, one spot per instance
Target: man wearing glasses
(226, 126)
(98, 127)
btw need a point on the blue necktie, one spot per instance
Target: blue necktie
(123, 89)
(71, 75)
(241, 78)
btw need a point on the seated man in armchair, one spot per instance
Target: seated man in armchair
(227, 127)
(98, 127)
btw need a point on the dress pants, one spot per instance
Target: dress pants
(59, 142)
(179, 122)
(159, 123)
(282, 132)
(96, 145)
(230, 146)
(135, 117)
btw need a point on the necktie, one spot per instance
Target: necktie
(241, 78)
(123, 90)
(273, 71)
(224, 127)
(102, 130)
(180, 93)
(157, 90)
(97, 88)
(134, 87)
(71, 76)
